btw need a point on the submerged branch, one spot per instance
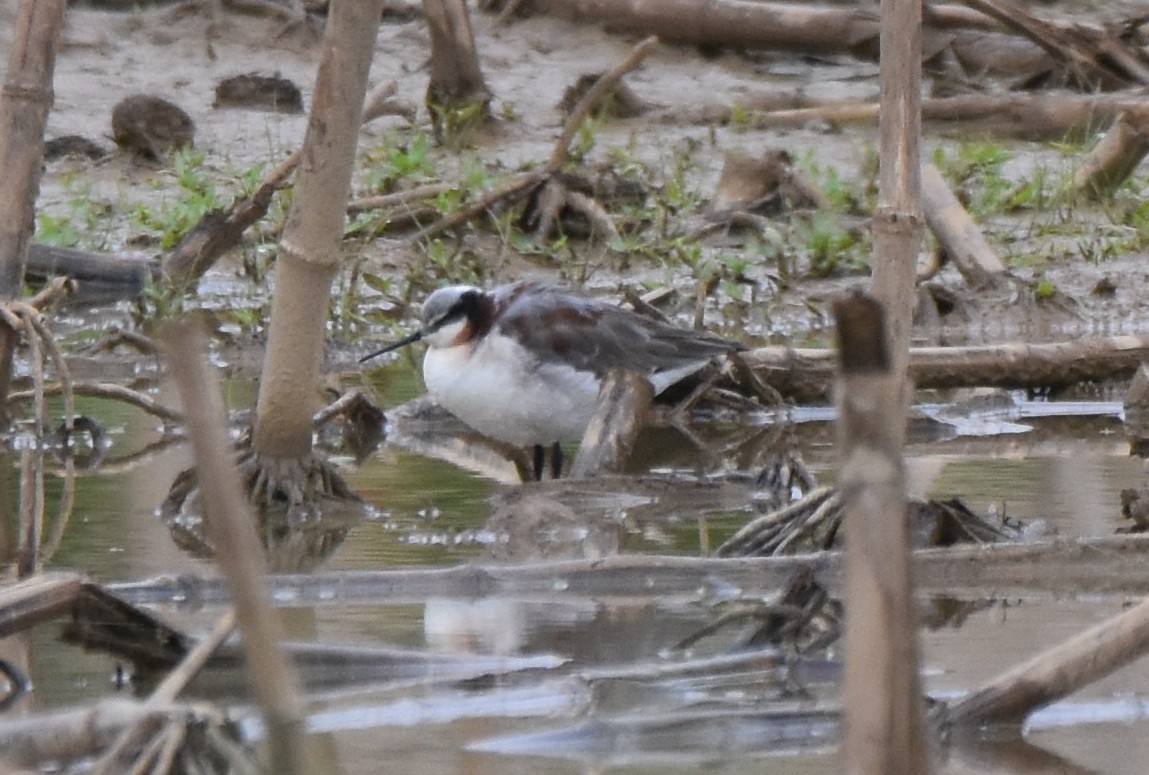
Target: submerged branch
(1098, 565)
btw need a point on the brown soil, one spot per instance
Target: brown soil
(178, 54)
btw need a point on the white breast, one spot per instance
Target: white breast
(500, 390)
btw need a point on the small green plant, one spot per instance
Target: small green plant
(171, 220)
(59, 230)
(248, 319)
(741, 118)
(975, 168)
(158, 301)
(830, 182)
(84, 225)
(828, 248)
(1044, 289)
(455, 126)
(584, 140)
(396, 161)
(676, 195)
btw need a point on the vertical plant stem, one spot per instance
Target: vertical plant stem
(231, 527)
(24, 104)
(898, 218)
(309, 249)
(883, 727)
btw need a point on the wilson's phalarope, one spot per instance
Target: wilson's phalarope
(522, 363)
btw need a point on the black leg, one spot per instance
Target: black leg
(540, 461)
(556, 460)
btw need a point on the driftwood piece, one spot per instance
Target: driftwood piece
(1037, 117)
(741, 23)
(806, 374)
(883, 730)
(37, 599)
(806, 28)
(959, 236)
(620, 414)
(1116, 155)
(83, 265)
(1056, 673)
(69, 734)
(1090, 63)
(109, 390)
(102, 620)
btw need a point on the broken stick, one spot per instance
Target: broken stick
(620, 414)
(958, 234)
(1116, 155)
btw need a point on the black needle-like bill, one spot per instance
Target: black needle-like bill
(409, 339)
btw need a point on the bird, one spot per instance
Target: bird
(522, 363)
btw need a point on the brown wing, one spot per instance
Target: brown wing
(595, 336)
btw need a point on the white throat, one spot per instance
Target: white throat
(447, 335)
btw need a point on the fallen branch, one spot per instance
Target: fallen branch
(1012, 696)
(806, 374)
(133, 735)
(1110, 163)
(1079, 49)
(109, 391)
(511, 190)
(232, 529)
(594, 96)
(220, 230)
(961, 238)
(1037, 117)
(520, 185)
(1110, 565)
(37, 599)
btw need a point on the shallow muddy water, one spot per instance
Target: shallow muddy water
(615, 703)
(431, 513)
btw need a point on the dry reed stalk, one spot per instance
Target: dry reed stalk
(309, 256)
(24, 104)
(231, 527)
